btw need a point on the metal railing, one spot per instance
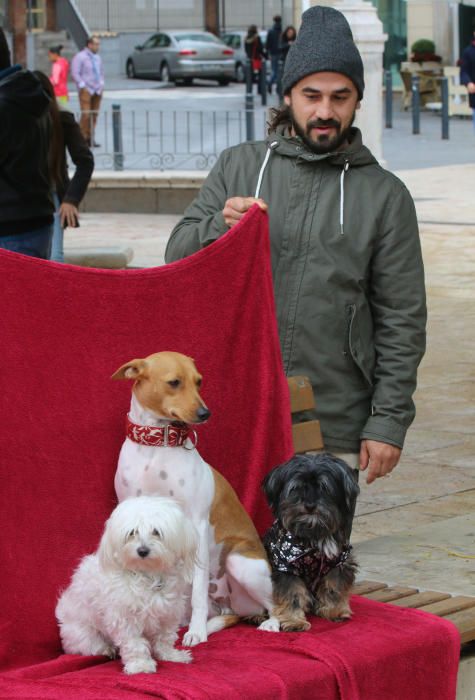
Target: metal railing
(176, 140)
(416, 104)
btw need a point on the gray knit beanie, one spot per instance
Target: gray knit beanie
(324, 43)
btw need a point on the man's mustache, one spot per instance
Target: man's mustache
(319, 123)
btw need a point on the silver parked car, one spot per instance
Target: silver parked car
(181, 56)
(235, 41)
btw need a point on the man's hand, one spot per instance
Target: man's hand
(236, 207)
(69, 215)
(381, 458)
(471, 88)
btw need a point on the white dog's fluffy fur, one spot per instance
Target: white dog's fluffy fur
(129, 597)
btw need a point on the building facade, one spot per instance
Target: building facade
(449, 23)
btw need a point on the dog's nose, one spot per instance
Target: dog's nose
(143, 552)
(203, 413)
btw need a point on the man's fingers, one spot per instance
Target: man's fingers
(364, 456)
(236, 207)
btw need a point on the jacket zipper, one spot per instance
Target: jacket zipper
(351, 311)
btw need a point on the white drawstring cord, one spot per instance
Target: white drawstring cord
(263, 167)
(342, 196)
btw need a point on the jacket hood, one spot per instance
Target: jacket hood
(21, 90)
(356, 154)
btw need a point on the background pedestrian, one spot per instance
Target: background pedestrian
(273, 50)
(67, 194)
(26, 205)
(88, 74)
(59, 73)
(288, 37)
(467, 74)
(255, 51)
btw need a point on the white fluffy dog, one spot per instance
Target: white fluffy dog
(129, 597)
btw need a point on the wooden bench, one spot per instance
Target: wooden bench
(306, 433)
(459, 609)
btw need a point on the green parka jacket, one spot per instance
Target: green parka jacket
(348, 276)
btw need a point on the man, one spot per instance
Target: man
(26, 205)
(273, 48)
(467, 74)
(346, 258)
(88, 74)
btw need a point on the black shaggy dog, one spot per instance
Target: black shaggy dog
(313, 499)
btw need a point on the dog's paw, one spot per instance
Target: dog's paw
(194, 636)
(181, 656)
(339, 614)
(140, 666)
(295, 625)
(270, 625)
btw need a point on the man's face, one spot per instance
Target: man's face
(94, 45)
(322, 107)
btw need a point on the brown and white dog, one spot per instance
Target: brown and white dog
(232, 577)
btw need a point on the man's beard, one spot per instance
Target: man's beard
(325, 143)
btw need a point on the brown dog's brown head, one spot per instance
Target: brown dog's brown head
(168, 384)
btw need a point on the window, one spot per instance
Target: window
(152, 42)
(198, 36)
(163, 41)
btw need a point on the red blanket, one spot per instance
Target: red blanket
(63, 332)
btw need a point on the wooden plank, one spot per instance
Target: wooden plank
(307, 436)
(301, 394)
(465, 622)
(420, 599)
(386, 595)
(365, 587)
(450, 605)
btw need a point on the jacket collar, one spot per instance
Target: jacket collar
(293, 146)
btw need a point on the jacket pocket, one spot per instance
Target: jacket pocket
(357, 347)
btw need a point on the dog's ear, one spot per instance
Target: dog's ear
(135, 369)
(351, 489)
(273, 484)
(106, 549)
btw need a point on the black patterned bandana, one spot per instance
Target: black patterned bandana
(291, 555)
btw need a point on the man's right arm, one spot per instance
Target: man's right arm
(203, 221)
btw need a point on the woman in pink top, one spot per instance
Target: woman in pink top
(59, 73)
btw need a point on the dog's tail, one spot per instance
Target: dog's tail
(220, 622)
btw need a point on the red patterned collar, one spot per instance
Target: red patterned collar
(169, 435)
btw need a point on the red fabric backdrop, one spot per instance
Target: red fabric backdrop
(63, 332)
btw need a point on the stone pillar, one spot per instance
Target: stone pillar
(211, 16)
(368, 34)
(18, 27)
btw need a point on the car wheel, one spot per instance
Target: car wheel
(223, 81)
(240, 73)
(130, 69)
(164, 73)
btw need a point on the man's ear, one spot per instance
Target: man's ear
(287, 100)
(135, 369)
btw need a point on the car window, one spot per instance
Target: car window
(228, 39)
(208, 38)
(236, 42)
(163, 41)
(152, 42)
